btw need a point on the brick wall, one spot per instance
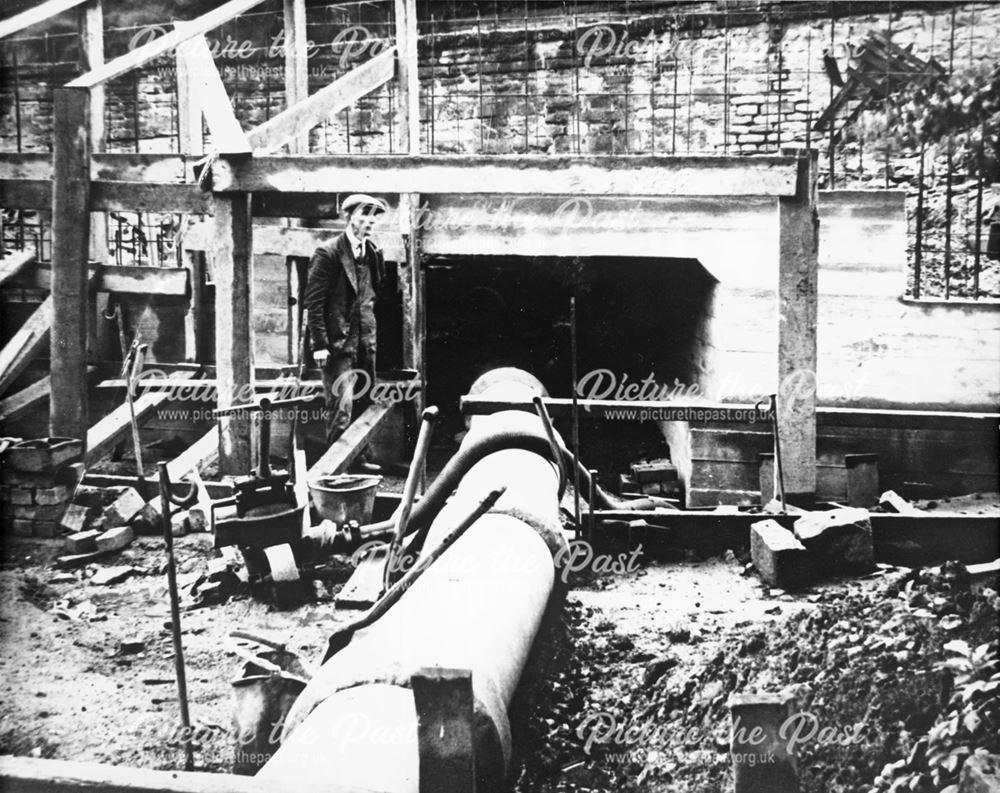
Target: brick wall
(706, 81)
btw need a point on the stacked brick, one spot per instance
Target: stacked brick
(38, 479)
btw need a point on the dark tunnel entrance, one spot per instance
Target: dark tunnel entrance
(636, 318)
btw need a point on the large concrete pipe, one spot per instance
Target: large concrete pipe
(479, 607)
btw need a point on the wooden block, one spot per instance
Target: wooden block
(862, 479)
(87, 496)
(179, 524)
(762, 762)
(781, 560)
(198, 519)
(75, 518)
(654, 471)
(891, 501)
(125, 507)
(445, 735)
(364, 586)
(82, 542)
(626, 484)
(148, 520)
(114, 539)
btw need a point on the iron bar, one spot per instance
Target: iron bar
(918, 249)
(576, 406)
(981, 163)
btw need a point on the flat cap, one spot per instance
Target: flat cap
(356, 200)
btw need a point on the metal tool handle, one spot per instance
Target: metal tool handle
(427, 420)
(175, 612)
(550, 433)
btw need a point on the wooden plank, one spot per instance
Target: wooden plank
(296, 65)
(446, 743)
(407, 77)
(195, 336)
(16, 405)
(25, 344)
(26, 193)
(28, 173)
(70, 254)
(908, 419)
(33, 16)
(14, 262)
(148, 197)
(228, 136)
(107, 432)
(153, 168)
(122, 279)
(288, 241)
(164, 44)
(797, 357)
(645, 175)
(31, 775)
(342, 92)
(201, 452)
(656, 410)
(344, 451)
(25, 166)
(205, 388)
(233, 259)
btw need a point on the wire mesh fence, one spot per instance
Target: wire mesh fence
(636, 77)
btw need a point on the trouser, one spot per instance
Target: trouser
(340, 384)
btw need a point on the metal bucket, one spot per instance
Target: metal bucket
(345, 497)
(264, 693)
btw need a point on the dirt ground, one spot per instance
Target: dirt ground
(87, 673)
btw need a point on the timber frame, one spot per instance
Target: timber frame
(243, 178)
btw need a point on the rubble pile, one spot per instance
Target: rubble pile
(877, 672)
(897, 689)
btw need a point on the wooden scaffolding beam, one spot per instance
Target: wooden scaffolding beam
(798, 248)
(70, 254)
(233, 259)
(33, 16)
(570, 175)
(343, 92)
(296, 66)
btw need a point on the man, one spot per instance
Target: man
(344, 278)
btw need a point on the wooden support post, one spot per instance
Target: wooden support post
(445, 736)
(191, 142)
(862, 480)
(70, 248)
(296, 66)
(797, 268)
(233, 262)
(763, 758)
(411, 277)
(102, 340)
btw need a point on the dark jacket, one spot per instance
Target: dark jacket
(340, 296)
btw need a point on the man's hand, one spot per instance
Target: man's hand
(320, 357)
